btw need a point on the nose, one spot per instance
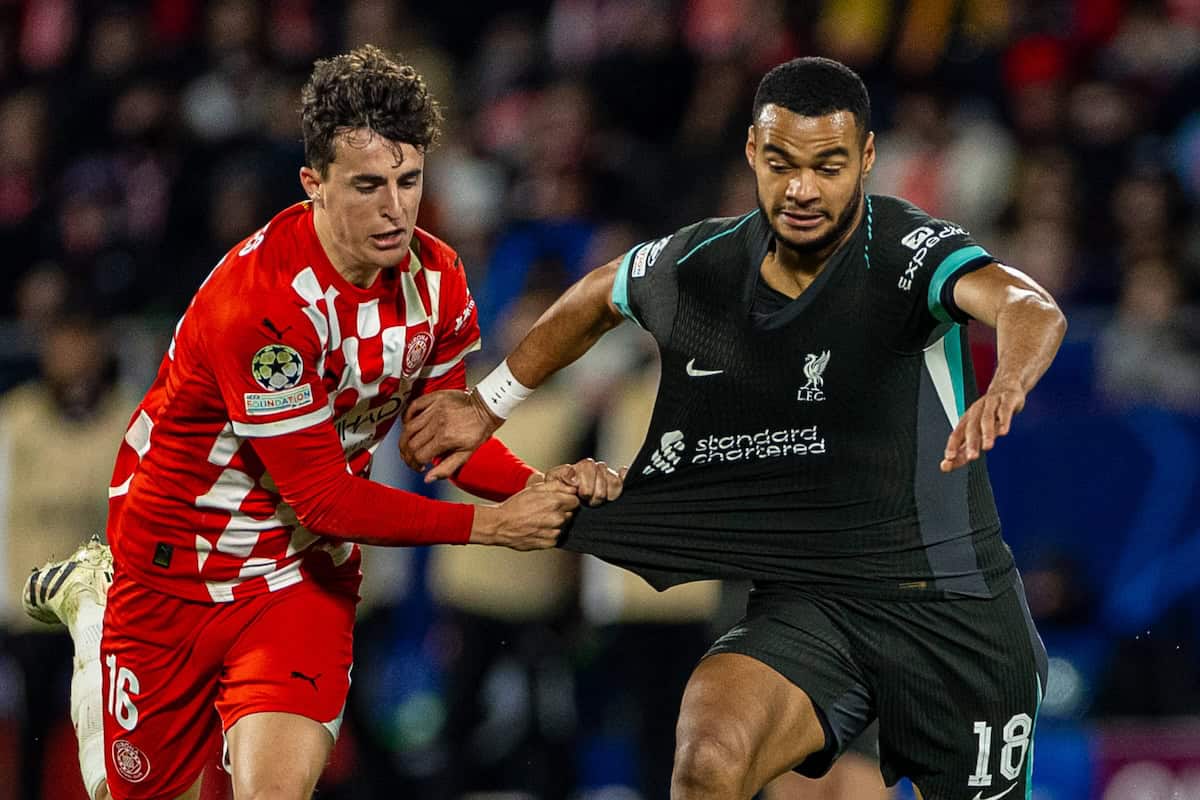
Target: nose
(392, 207)
(802, 188)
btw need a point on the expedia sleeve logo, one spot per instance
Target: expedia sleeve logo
(646, 255)
(277, 367)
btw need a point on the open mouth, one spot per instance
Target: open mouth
(802, 219)
(389, 240)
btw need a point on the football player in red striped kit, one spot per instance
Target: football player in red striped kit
(240, 490)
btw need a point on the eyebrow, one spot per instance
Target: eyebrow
(833, 152)
(367, 177)
(822, 155)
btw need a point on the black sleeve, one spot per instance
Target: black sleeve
(921, 258)
(646, 289)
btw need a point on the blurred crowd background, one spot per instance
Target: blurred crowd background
(140, 140)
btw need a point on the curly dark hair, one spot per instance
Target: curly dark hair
(814, 87)
(365, 88)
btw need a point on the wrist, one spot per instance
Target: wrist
(483, 526)
(535, 478)
(500, 393)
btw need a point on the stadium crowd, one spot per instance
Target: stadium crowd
(140, 140)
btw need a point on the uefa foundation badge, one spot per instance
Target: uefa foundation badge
(278, 369)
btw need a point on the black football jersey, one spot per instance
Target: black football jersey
(800, 440)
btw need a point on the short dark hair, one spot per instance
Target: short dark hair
(365, 88)
(813, 87)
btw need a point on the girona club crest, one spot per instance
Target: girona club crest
(418, 350)
(131, 763)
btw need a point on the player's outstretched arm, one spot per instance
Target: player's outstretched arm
(309, 470)
(450, 425)
(1029, 328)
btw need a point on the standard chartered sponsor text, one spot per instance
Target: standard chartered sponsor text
(766, 443)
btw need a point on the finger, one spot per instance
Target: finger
(971, 431)
(950, 464)
(420, 404)
(411, 461)
(613, 484)
(956, 439)
(1008, 409)
(987, 421)
(447, 467)
(599, 486)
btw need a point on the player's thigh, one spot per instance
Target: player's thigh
(795, 691)
(159, 681)
(747, 713)
(277, 755)
(959, 693)
(290, 666)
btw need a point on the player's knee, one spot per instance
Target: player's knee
(710, 762)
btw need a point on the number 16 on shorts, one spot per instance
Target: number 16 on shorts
(123, 685)
(1017, 733)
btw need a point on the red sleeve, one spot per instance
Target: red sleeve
(309, 470)
(493, 472)
(266, 360)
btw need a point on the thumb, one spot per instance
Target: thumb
(624, 471)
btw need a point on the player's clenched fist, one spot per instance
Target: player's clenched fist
(594, 481)
(529, 520)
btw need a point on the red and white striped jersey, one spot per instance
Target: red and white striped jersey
(275, 341)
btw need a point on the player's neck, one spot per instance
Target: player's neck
(356, 274)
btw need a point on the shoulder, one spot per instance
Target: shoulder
(898, 223)
(434, 253)
(707, 235)
(261, 277)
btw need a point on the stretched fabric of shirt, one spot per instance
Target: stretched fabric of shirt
(799, 440)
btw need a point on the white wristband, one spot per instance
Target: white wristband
(501, 392)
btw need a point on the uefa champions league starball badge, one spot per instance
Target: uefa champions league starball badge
(277, 367)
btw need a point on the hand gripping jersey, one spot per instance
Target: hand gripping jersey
(801, 441)
(276, 341)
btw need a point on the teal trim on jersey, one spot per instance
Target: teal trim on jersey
(620, 292)
(1032, 736)
(952, 341)
(943, 273)
(716, 236)
(867, 249)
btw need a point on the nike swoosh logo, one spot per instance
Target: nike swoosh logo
(979, 794)
(700, 373)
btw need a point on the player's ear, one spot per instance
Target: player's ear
(868, 153)
(310, 181)
(751, 147)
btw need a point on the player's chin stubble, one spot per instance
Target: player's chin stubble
(840, 225)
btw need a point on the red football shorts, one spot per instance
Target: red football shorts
(174, 669)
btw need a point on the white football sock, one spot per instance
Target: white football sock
(87, 693)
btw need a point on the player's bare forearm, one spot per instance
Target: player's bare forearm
(448, 426)
(569, 328)
(1029, 329)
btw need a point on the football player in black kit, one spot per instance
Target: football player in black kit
(817, 430)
